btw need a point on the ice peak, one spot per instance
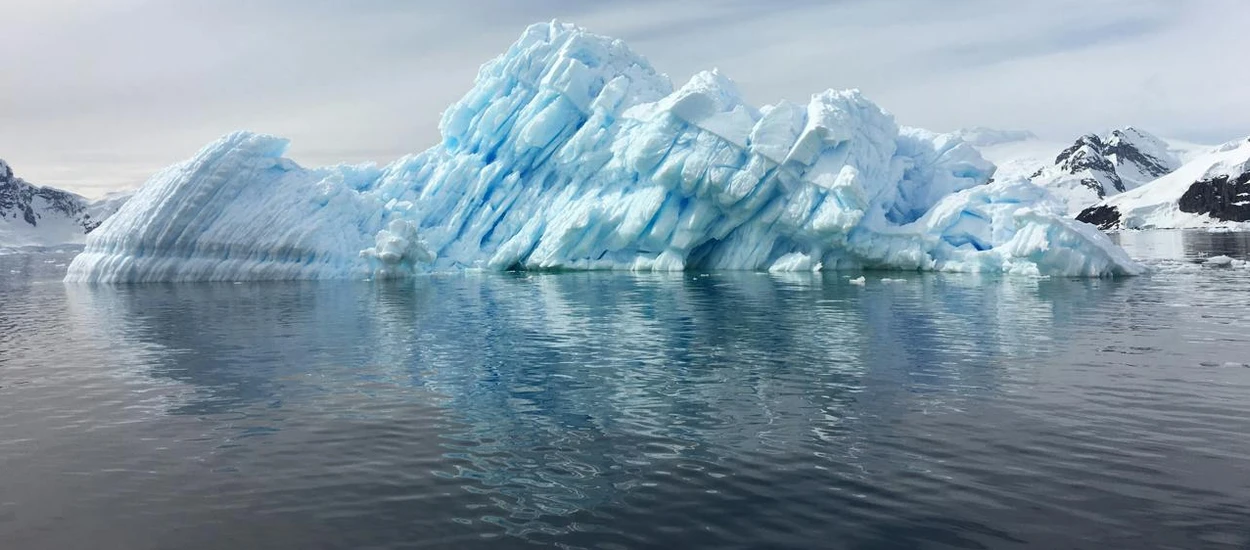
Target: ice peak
(713, 81)
(552, 66)
(705, 93)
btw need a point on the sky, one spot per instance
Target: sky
(97, 95)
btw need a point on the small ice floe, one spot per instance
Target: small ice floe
(1219, 261)
(860, 281)
(889, 281)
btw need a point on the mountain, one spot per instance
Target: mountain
(42, 216)
(1088, 170)
(1098, 166)
(983, 138)
(573, 152)
(1212, 190)
(1016, 153)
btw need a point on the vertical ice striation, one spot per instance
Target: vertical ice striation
(571, 152)
(238, 210)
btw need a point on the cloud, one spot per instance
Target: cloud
(96, 93)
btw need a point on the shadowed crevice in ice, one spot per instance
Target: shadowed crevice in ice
(572, 152)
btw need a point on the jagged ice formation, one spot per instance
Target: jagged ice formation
(571, 152)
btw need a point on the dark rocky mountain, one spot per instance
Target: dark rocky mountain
(1224, 198)
(1102, 215)
(31, 203)
(1211, 189)
(1125, 159)
(1095, 167)
(30, 214)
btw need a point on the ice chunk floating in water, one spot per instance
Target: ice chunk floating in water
(571, 152)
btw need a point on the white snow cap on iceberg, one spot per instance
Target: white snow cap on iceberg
(572, 152)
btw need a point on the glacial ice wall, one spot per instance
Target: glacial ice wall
(572, 152)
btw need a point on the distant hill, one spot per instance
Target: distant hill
(31, 215)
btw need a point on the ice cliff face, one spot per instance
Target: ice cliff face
(571, 152)
(42, 216)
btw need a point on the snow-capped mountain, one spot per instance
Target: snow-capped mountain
(1096, 166)
(31, 215)
(1212, 190)
(1086, 171)
(1016, 153)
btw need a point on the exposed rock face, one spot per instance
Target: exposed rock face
(1224, 198)
(19, 199)
(1127, 159)
(1096, 167)
(45, 214)
(1211, 190)
(1103, 216)
(1086, 161)
(1145, 154)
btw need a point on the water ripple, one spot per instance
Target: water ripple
(622, 411)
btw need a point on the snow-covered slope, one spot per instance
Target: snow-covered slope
(1016, 153)
(982, 138)
(42, 216)
(1212, 190)
(1095, 167)
(571, 152)
(1088, 170)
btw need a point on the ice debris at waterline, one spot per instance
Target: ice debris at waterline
(571, 152)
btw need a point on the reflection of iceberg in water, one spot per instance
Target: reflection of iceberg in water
(237, 344)
(557, 395)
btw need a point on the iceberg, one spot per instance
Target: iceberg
(572, 153)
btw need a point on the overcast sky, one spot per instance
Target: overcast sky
(98, 94)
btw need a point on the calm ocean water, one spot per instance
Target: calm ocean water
(600, 410)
